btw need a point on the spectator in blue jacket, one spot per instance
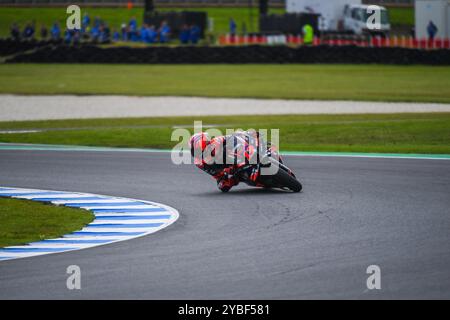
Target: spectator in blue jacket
(86, 20)
(133, 24)
(28, 32)
(144, 33)
(432, 30)
(55, 31)
(67, 36)
(152, 35)
(95, 33)
(233, 27)
(133, 30)
(195, 34)
(185, 34)
(116, 35)
(104, 33)
(164, 32)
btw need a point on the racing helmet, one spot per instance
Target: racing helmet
(198, 143)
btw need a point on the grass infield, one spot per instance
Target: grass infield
(384, 133)
(24, 221)
(317, 82)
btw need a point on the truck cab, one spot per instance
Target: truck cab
(356, 17)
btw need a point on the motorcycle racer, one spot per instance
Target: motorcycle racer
(204, 149)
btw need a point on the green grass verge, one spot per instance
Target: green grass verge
(116, 16)
(24, 221)
(324, 82)
(386, 133)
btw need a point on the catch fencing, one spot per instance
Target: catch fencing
(375, 42)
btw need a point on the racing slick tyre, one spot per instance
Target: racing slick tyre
(284, 179)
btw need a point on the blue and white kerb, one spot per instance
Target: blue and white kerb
(116, 219)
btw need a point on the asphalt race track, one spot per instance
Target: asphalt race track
(249, 243)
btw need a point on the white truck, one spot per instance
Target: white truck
(342, 16)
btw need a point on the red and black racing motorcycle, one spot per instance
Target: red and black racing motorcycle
(262, 166)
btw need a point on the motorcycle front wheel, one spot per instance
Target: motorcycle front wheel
(282, 179)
